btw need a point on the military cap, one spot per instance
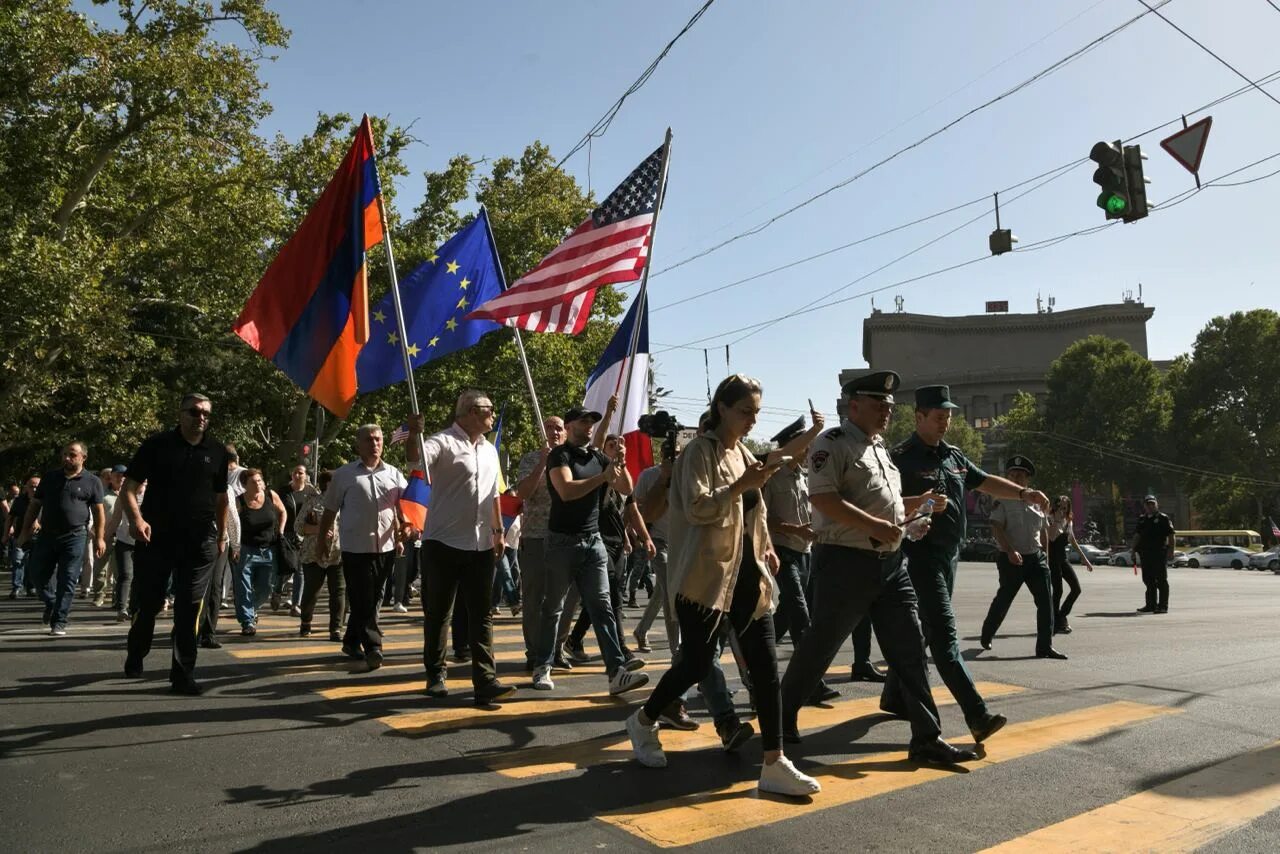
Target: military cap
(786, 434)
(880, 384)
(1017, 461)
(1148, 498)
(934, 397)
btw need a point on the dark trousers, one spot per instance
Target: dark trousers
(700, 642)
(123, 600)
(1060, 570)
(58, 560)
(456, 574)
(314, 575)
(793, 607)
(366, 573)
(933, 577)
(1034, 573)
(212, 608)
(1155, 575)
(851, 585)
(187, 559)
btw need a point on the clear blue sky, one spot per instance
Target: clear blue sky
(771, 102)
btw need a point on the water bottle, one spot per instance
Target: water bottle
(919, 526)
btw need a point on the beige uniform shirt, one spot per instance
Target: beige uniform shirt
(787, 496)
(847, 462)
(1022, 524)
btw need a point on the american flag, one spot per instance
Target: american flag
(400, 434)
(610, 246)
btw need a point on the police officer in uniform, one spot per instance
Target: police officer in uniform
(929, 465)
(1153, 543)
(1020, 528)
(859, 513)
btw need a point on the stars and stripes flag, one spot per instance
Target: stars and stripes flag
(400, 434)
(610, 246)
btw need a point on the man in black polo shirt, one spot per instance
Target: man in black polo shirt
(65, 501)
(178, 532)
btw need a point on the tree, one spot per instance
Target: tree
(1226, 417)
(961, 433)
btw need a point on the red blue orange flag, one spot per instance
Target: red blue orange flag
(310, 312)
(414, 499)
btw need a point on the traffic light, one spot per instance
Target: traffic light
(1138, 204)
(1001, 241)
(1112, 177)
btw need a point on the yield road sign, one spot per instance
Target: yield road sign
(1187, 145)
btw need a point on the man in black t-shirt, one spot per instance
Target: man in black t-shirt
(1153, 542)
(178, 532)
(66, 501)
(576, 475)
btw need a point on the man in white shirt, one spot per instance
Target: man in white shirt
(367, 492)
(462, 540)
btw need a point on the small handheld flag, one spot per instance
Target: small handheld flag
(414, 499)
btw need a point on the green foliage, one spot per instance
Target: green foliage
(961, 433)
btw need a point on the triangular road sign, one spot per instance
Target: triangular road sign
(1187, 145)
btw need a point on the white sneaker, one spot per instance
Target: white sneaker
(400, 608)
(644, 741)
(783, 778)
(624, 680)
(542, 679)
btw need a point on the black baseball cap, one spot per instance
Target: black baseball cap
(578, 412)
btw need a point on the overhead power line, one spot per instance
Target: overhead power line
(1140, 459)
(602, 124)
(1039, 75)
(1204, 48)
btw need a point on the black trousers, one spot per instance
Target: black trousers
(366, 573)
(448, 574)
(187, 557)
(1060, 570)
(700, 641)
(1034, 573)
(851, 585)
(314, 575)
(1155, 575)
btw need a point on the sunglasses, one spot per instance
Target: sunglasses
(197, 412)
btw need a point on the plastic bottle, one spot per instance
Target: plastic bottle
(919, 526)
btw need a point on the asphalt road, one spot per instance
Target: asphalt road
(1159, 733)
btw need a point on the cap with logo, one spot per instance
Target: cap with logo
(881, 384)
(1017, 461)
(578, 412)
(786, 434)
(1148, 498)
(934, 397)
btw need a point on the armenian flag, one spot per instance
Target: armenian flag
(310, 312)
(414, 498)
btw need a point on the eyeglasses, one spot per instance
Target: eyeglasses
(197, 412)
(483, 410)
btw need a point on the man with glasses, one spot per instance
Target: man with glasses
(859, 519)
(178, 534)
(366, 492)
(70, 498)
(463, 538)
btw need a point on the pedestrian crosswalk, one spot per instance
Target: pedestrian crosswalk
(577, 729)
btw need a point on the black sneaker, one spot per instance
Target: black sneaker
(561, 663)
(1162, 609)
(824, 693)
(734, 733)
(461, 656)
(492, 693)
(335, 636)
(210, 643)
(676, 717)
(188, 687)
(48, 616)
(132, 669)
(575, 653)
(304, 631)
(437, 688)
(1147, 609)
(373, 658)
(352, 651)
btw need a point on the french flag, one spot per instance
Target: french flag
(610, 377)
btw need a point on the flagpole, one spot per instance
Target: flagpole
(399, 307)
(644, 280)
(524, 360)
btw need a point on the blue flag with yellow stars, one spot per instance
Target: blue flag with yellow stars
(437, 297)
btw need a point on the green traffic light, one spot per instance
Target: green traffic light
(1112, 203)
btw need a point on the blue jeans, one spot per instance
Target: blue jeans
(583, 561)
(504, 582)
(18, 563)
(253, 582)
(57, 560)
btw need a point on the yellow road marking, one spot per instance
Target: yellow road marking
(554, 759)
(1183, 814)
(457, 717)
(380, 689)
(713, 815)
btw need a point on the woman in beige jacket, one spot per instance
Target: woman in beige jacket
(721, 565)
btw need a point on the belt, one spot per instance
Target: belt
(867, 553)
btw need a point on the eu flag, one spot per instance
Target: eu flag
(437, 297)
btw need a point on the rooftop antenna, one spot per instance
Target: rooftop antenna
(1052, 302)
(897, 303)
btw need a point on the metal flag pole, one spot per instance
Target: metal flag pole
(395, 298)
(524, 360)
(644, 278)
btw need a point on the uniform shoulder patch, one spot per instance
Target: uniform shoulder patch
(833, 433)
(819, 459)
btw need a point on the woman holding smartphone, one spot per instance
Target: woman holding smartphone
(721, 566)
(1061, 532)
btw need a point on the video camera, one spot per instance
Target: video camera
(662, 425)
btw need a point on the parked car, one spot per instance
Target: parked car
(1097, 556)
(1123, 557)
(979, 550)
(1236, 558)
(1266, 560)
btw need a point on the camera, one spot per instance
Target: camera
(660, 425)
